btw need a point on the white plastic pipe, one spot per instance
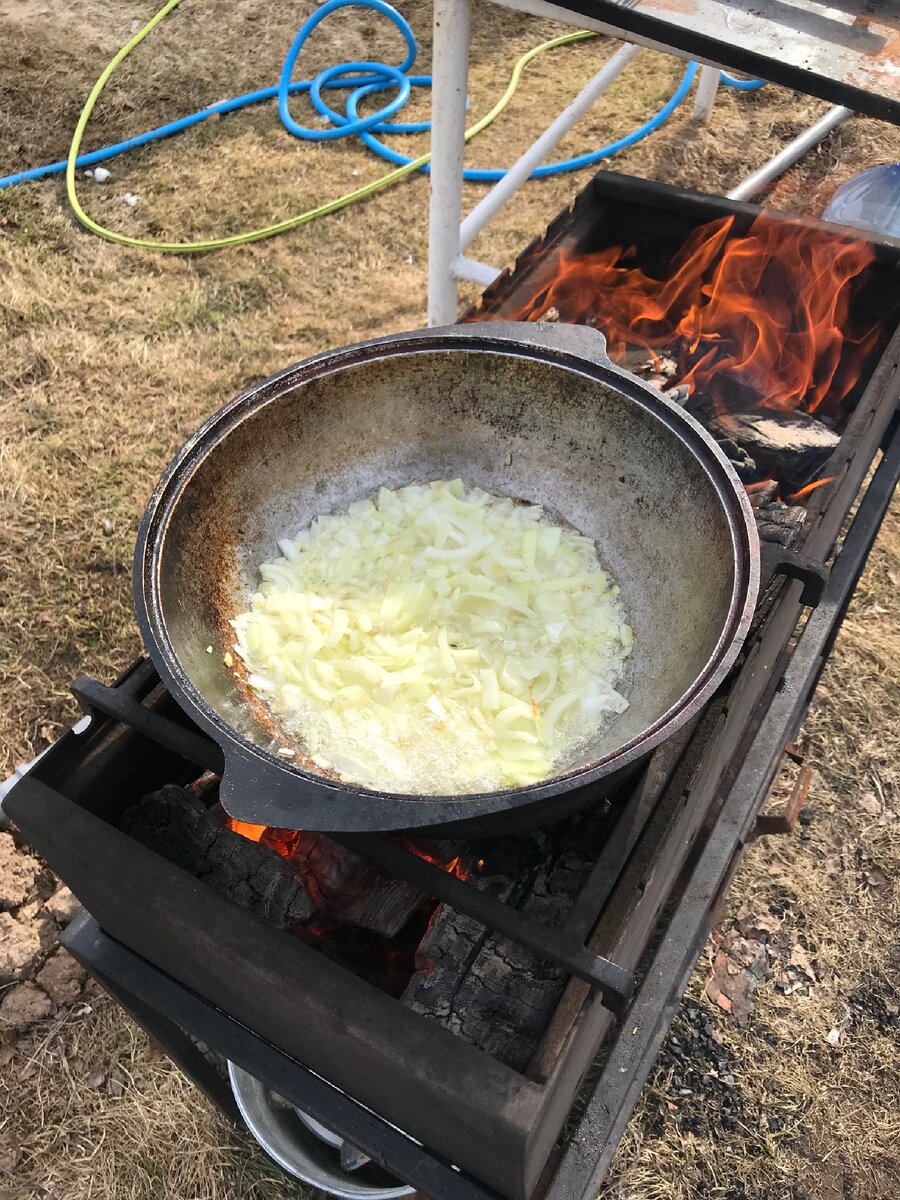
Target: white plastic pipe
(449, 72)
(478, 272)
(7, 785)
(792, 152)
(707, 88)
(486, 209)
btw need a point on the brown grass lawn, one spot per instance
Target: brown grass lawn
(111, 357)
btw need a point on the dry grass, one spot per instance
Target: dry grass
(836, 1108)
(111, 357)
(137, 1129)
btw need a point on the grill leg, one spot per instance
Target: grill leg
(450, 70)
(705, 99)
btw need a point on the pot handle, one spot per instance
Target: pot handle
(255, 789)
(582, 341)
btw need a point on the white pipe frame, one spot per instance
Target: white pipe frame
(449, 73)
(448, 236)
(792, 153)
(707, 89)
(487, 208)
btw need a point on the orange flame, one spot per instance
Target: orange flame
(761, 485)
(284, 841)
(253, 833)
(810, 487)
(767, 311)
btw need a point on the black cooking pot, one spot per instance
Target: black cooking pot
(534, 411)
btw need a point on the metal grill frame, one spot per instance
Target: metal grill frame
(162, 950)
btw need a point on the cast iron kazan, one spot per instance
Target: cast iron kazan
(534, 411)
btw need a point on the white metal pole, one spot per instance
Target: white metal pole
(792, 152)
(707, 89)
(449, 70)
(485, 210)
(478, 272)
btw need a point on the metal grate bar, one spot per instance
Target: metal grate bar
(123, 703)
(563, 945)
(559, 944)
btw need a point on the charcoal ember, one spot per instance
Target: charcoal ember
(743, 463)
(791, 447)
(176, 824)
(483, 988)
(491, 992)
(454, 941)
(764, 494)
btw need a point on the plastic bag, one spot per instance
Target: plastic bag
(869, 201)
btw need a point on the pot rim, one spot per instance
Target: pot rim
(577, 349)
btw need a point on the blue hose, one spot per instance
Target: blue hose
(362, 79)
(742, 85)
(475, 175)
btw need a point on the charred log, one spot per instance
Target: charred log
(780, 524)
(487, 990)
(175, 823)
(744, 464)
(348, 888)
(791, 447)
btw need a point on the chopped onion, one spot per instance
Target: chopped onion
(437, 639)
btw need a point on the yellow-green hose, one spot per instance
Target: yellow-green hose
(255, 235)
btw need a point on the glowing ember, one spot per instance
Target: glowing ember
(763, 485)
(766, 312)
(284, 841)
(253, 833)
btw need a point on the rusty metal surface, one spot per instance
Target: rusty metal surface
(784, 821)
(844, 51)
(532, 411)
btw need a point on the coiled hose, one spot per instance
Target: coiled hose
(359, 79)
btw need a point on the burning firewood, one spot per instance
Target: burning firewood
(791, 447)
(351, 890)
(175, 823)
(778, 523)
(484, 988)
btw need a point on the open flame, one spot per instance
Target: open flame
(796, 497)
(755, 319)
(285, 842)
(253, 833)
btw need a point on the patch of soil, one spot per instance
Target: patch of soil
(876, 999)
(694, 1078)
(18, 873)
